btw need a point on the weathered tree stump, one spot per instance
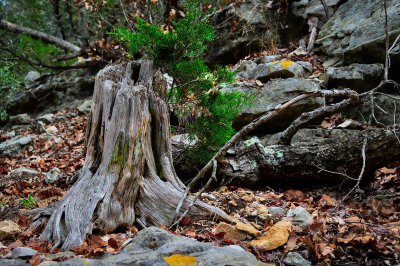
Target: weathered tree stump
(128, 175)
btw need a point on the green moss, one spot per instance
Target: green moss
(120, 152)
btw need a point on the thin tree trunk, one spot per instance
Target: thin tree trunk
(8, 26)
(128, 175)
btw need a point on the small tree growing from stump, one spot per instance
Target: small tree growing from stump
(128, 175)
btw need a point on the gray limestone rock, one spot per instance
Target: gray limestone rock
(295, 259)
(23, 253)
(272, 94)
(358, 77)
(356, 32)
(301, 216)
(14, 145)
(281, 69)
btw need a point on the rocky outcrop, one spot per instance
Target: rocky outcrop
(270, 95)
(52, 92)
(249, 26)
(356, 32)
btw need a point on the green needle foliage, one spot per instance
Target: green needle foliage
(8, 87)
(193, 94)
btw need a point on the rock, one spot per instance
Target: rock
(40, 127)
(301, 217)
(244, 69)
(55, 92)
(51, 130)
(275, 237)
(295, 259)
(21, 119)
(52, 176)
(267, 59)
(47, 118)
(8, 230)
(358, 77)
(308, 8)
(85, 107)
(31, 77)
(246, 28)
(231, 232)
(269, 96)
(248, 228)
(183, 140)
(281, 69)
(356, 32)
(14, 145)
(23, 253)
(276, 213)
(66, 254)
(154, 246)
(385, 114)
(8, 262)
(22, 172)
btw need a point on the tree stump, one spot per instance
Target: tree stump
(128, 175)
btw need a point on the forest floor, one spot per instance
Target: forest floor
(363, 229)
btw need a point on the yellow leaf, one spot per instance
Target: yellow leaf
(276, 236)
(179, 260)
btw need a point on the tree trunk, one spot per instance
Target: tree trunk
(128, 174)
(316, 156)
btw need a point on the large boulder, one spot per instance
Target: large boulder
(358, 77)
(269, 96)
(356, 32)
(281, 69)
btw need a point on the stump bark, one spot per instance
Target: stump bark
(128, 175)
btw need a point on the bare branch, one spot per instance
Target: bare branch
(11, 27)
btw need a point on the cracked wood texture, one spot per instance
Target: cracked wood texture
(315, 157)
(128, 175)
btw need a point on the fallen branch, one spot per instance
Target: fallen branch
(44, 37)
(270, 114)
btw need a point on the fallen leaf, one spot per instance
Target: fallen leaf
(276, 236)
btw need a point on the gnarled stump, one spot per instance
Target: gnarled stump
(128, 174)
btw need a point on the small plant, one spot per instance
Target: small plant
(30, 202)
(8, 87)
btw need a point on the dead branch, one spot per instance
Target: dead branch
(312, 23)
(325, 8)
(44, 37)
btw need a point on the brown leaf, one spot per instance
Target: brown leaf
(327, 201)
(113, 243)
